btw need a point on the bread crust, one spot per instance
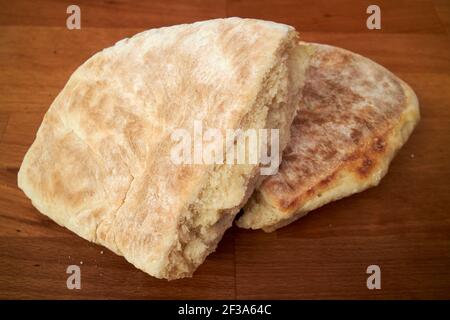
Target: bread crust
(354, 115)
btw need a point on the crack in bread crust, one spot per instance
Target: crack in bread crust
(206, 219)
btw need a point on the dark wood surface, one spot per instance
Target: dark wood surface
(403, 225)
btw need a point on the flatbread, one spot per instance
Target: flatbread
(101, 166)
(354, 115)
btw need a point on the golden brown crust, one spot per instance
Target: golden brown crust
(353, 117)
(100, 164)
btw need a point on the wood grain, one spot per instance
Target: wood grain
(403, 225)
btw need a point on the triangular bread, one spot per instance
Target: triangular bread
(100, 163)
(354, 115)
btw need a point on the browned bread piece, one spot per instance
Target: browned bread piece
(354, 115)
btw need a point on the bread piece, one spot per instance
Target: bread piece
(354, 115)
(100, 164)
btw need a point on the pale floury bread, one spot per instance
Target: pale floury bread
(100, 164)
(354, 115)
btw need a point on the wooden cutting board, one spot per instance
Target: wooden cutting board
(403, 225)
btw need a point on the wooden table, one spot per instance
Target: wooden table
(403, 225)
